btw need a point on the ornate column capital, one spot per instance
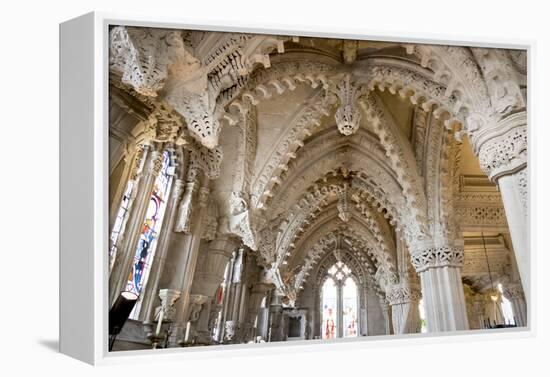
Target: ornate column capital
(168, 297)
(403, 293)
(502, 149)
(434, 256)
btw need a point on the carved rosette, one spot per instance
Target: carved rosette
(437, 256)
(503, 149)
(403, 294)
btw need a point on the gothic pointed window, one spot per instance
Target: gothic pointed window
(152, 224)
(340, 297)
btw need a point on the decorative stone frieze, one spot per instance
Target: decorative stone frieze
(403, 293)
(504, 150)
(438, 256)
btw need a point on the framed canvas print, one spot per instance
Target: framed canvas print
(230, 190)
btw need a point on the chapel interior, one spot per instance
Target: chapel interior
(275, 188)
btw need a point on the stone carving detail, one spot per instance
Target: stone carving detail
(309, 118)
(513, 291)
(420, 129)
(402, 294)
(412, 189)
(343, 207)
(208, 160)
(499, 77)
(438, 256)
(142, 56)
(168, 297)
(231, 329)
(196, 303)
(481, 215)
(521, 179)
(183, 219)
(347, 116)
(501, 151)
(210, 228)
(139, 160)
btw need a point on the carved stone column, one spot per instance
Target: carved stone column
(403, 299)
(474, 308)
(123, 261)
(275, 333)
(502, 152)
(386, 313)
(440, 276)
(183, 253)
(210, 277)
(257, 294)
(197, 308)
(514, 293)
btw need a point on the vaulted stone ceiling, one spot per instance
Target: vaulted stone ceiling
(324, 139)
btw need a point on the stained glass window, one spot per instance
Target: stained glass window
(151, 226)
(339, 296)
(349, 308)
(330, 320)
(120, 221)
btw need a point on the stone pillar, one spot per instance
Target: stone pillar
(363, 313)
(339, 310)
(253, 315)
(403, 299)
(386, 313)
(443, 296)
(183, 252)
(502, 152)
(157, 266)
(514, 293)
(474, 308)
(275, 333)
(196, 310)
(132, 232)
(209, 278)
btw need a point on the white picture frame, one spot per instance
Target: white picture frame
(84, 187)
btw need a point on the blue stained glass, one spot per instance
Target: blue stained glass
(151, 227)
